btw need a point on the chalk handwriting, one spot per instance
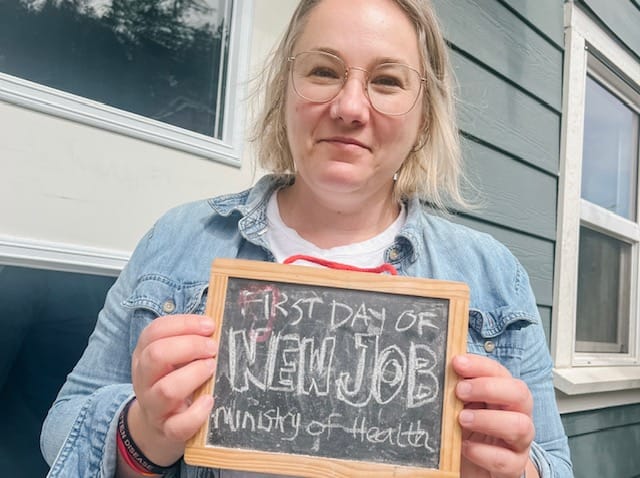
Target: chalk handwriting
(319, 368)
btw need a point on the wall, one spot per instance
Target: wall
(508, 61)
(77, 185)
(620, 18)
(604, 443)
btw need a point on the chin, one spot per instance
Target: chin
(341, 186)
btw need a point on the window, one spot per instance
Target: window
(606, 269)
(596, 321)
(602, 307)
(166, 70)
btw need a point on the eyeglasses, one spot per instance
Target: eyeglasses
(392, 88)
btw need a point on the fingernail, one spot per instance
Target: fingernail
(466, 417)
(207, 324)
(463, 389)
(462, 361)
(207, 402)
(211, 365)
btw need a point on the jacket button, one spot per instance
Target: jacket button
(169, 306)
(489, 346)
(394, 254)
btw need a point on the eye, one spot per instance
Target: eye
(324, 72)
(387, 81)
(387, 85)
(394, 78)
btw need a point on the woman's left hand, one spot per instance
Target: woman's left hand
(497, 424)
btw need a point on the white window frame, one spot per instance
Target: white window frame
(227, 150)
(576, 373)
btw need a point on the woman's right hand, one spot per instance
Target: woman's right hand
(173, 357)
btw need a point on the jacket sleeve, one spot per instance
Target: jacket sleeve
(79, 433)
(550, 450)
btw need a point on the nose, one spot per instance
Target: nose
(352, 103)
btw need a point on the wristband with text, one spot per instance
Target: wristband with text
(130, 452)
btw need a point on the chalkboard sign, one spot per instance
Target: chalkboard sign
(332, 373)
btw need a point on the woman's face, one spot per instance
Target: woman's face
(344, 145)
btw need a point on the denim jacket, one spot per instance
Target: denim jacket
(168, 274)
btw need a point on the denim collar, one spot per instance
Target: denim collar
(251, 205)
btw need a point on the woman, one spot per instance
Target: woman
(358, 129)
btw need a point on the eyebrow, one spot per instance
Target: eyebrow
(377, 61)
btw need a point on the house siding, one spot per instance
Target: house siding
(605, 443)
(620, 17)
(508, 58)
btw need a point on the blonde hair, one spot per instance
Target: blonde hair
(433, 169)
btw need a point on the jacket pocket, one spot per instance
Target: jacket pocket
(157, 295)
(498, 335)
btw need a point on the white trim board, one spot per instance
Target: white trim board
(26, 252)
(595, 401)
(583, 380)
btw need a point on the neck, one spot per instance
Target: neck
(338, 221)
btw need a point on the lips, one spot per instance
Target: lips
(346, 141)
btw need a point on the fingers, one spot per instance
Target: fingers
(174, 325)
(471, 365)
(496, 422)
(514, 429)
(182, 426)
(165, 442)
(174, 356)
(167, 343)
(168, 354)
(171, 394)
(487, 381)
(497, 461)
(505, 393)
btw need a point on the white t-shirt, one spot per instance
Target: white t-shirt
(286, 242)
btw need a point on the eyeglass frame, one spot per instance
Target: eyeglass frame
(347, 69)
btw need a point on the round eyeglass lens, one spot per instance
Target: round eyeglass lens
(318, 76)
(393, 88)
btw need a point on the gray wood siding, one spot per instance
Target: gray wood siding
(513, 194)
(507, 57)
(497, 38)
(496, 112)
(605, 443)
(621, 17)
(543, 15)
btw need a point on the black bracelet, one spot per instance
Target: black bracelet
(132, 449)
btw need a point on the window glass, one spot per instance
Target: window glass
(46, 319)
(603, 293)
(610, 152)
(162, 59)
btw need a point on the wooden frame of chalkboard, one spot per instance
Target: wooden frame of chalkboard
(331, 373)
